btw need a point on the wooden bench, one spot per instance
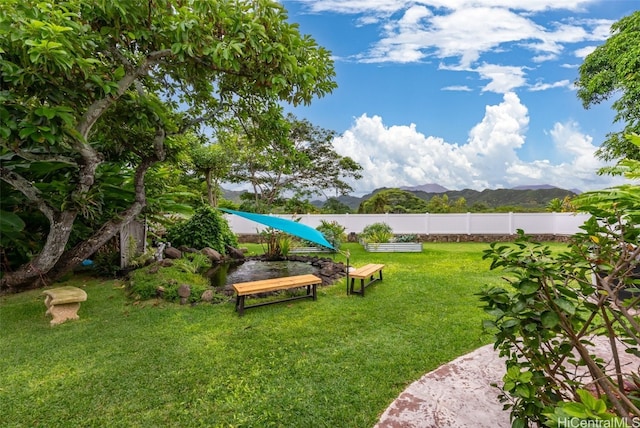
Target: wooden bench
(244, 289)
(63, 303)
(366, 272)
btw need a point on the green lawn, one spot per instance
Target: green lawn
(336, 362)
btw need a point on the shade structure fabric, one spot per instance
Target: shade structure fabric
(303, 231)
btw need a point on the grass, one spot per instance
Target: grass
(336, 362)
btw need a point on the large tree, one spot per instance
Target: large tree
(97, 92)
(395, 201)
(613, 69)
(283, 155)
(213, 160)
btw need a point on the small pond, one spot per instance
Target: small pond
(254, 270)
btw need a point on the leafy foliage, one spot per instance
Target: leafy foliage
(410, 237)
(612, 70)
(467, 200)
(207, 228)
(555, 303)
(94, 95)
(377, 232)
(333, 232)
(393, 201)
(279, 154)
(278, 243)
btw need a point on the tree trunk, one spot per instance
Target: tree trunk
(85, 249)
(72, 258)
(209, 188)
(33, 274)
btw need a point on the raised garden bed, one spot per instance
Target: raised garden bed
(393, 247)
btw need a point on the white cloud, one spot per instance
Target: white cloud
(544, 86)
(464, 30)
(401, 156)
(463, 88)
(503, 78)
(381, 6)
(583, 52)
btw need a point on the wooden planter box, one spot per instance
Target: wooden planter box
(393, 247)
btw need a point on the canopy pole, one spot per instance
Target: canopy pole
(347, 254)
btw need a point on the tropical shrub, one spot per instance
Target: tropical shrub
(278, 244)
(557, 304)
(334, 232)
(377, 232)
(207, 228)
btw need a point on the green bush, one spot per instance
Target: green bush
(207, 228)
(555, 304)
(406, 238)
(334, 232)
(377, 232)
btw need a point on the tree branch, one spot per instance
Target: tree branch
(99, 107)
(45, 157)
(25, 187)
(197, 121)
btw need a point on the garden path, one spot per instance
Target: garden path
(459, 394)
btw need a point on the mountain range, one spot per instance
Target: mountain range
(530, 197)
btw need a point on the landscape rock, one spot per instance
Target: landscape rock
(184, 291)
(212, 254)
(235, 253)
(172, 253)
(207, 296)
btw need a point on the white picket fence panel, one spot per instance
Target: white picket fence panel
(436, 224)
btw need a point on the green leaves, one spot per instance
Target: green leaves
(10, 222)
(549, 319)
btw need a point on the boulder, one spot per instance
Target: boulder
(235, 253)
(184, 291)
(207, 296)
(172, 253)
(212, 254)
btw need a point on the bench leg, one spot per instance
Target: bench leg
(240, 306)
(352, 287)
(62, 313)
(315, 294)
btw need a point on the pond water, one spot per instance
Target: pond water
(254, 270)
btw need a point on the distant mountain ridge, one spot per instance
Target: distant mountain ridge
(429, 188)
(529, 197)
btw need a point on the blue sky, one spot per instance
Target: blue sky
(464, 93)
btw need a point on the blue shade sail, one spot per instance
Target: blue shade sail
(303, 231)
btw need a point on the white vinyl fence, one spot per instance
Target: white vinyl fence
(436, 224)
